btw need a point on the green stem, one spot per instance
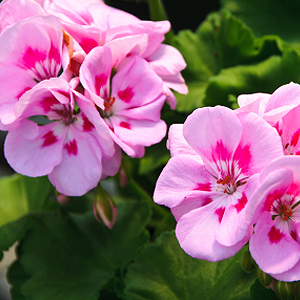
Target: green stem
(158, 13)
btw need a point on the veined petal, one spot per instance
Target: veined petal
(181, 177)
(272, 247)
(214, 133)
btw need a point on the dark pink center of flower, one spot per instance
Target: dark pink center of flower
(100, 81)
(275, 235)
(126, 95)
(203, 187)
(87, 125)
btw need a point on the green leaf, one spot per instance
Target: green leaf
(222, 41)
(59, 261)
(163, 271)
(20, 196)
(121, 244)
(63, 257)
(262, 77)
(269, 17)
(258, 292)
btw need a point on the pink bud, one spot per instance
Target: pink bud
(104, 209)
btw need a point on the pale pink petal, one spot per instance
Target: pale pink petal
(175, 82)
(130, 86)
(182, 176)
(259, 145)
(214, 133)
(273, 248)
(110, 166)
(80, 168)
(195, 232)
(34, 150)
(12, 11)
(253, 103)
(276, 108)
(95, 74)
(177, 143)
(138, 132)
(166, 60)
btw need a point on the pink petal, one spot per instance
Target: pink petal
(34, 150)
(253, 103)
(130, 86)
(177, 143)
(95, 74)
(274, 250)
(182, 176)
(81, 168)
(259, 145)
(214, 133)
(195, 232)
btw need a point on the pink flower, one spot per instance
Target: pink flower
(209, 179)
(31, 51)
(131, 105)
(281, 110)
(52, 137)
(275, 244)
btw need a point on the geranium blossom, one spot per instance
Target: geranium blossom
(69, 145)
(275, 245)
(31, 51)
(130, 109)
(208, 194)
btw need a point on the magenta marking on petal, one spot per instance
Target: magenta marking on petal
(220, 152)
(71, 147)
(275, 235)
(243, 157)
(47, 103)
(220, 212)
(54, 54)
(100, 81)
(206, 201)
(125, 125)
(88, 44)
(203, 187)
(241, 203)
(126, 95)
(295, 139)
(32, 56)
(87, 125)
(294, 235)
(271, 198)
(49, 139)
(22, 92)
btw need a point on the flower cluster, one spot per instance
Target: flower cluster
(234, 177)
(80, 81)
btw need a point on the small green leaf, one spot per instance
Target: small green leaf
(163, 271)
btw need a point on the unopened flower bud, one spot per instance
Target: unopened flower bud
(264, 278)
(104, 209)
(284, 290)
(247, 262)
(62, 199)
